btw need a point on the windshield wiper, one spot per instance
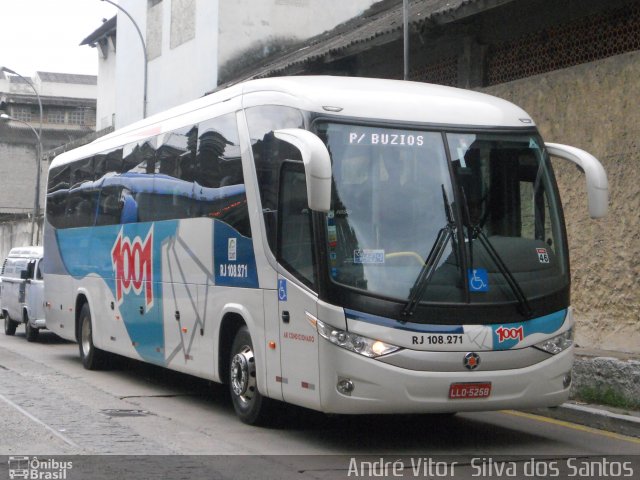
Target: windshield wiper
(525, 307)
(477, 232)
(428, 269)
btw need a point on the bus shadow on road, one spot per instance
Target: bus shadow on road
(426, 432)
(466, 432)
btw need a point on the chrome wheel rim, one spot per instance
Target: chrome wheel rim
(86, 337)
(243, 375)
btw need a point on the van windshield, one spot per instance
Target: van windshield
(487, 202)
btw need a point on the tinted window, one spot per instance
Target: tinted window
(139, 168)
(80, 208)
(190, 172)
(110, 205)
(57, 190)
(219, 182)
(108, 163)
(269, 153)
(295, 246)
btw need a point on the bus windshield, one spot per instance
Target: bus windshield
(434, 216)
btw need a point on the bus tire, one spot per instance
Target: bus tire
(92, 358)
(9, 325)
(249, 404)
(32, 333)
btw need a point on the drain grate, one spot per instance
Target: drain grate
(117, 412)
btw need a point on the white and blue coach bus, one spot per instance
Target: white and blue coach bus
(349, 245)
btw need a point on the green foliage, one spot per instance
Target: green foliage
(607, 396)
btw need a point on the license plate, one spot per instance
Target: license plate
(469, 390)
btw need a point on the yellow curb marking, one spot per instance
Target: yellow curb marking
(573, 426)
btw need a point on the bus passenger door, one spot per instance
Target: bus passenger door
(296, 298)
(298, 344)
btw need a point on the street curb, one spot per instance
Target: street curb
(591, 416)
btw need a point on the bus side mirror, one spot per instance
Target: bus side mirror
(317, 165)
(597, 184)
(24, 274)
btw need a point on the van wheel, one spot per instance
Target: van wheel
(250, 406)
(32, 333)
(92, 358)
(9, 325)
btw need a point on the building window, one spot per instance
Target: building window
(76, 117)
(23, 114)
(55, 116)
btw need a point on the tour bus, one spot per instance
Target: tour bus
(349, 245)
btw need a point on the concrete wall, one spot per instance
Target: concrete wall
(594, 106)
(17, 176)
(51, 89)
(17, 234)
(258, 26)
(73, 90)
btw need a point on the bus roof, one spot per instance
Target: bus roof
(352, 97)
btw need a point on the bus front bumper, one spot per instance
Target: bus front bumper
(382, 388)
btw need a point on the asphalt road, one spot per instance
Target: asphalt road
(51, 406)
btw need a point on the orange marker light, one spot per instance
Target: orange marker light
(272, 345)
(184, 330)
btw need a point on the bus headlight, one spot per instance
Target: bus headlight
(558, 343)
(355, 343)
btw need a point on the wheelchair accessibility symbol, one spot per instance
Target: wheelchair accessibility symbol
(282, 290)
(478, 280)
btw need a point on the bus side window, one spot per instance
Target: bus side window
(129, 209)
(295, 244)
(269, 153)
(109, 206)
(219, 188)
(57, 191)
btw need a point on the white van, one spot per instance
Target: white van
(21, 291)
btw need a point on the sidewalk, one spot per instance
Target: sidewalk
(599, 371)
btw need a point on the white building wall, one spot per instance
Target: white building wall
(49, 89)
(71, 90)
(185, 64)
(188, 70)
(177, 75)
(129, 57)
(106, 107)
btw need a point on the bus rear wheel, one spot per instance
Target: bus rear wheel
(92, 358)
(9, 325)
(250, 406)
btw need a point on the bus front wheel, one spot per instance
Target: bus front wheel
(92, 357)
(249, 404)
